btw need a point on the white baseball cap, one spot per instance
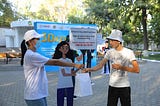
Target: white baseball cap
(116, 35)
(31, 34)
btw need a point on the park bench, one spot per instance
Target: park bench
(9, 55)
(138, 54)
(3, 56)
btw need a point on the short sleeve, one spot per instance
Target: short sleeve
(132, 56)
(38, 60)
(107, 54)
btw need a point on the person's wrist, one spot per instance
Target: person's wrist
(74, 65)
(88, 70)
(85, 71)
(121, 67)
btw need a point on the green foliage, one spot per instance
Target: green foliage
(155, 23)
(6, 13)
(153, 57)
(130, 16)
(75, 16)
(97, 13)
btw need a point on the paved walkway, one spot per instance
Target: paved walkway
(145, 86)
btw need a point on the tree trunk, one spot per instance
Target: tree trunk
(144, 24)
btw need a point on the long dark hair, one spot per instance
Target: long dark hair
(58, 54)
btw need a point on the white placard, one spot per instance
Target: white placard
(83, 38)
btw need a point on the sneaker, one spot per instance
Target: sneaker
(75, 98)
(92, 83)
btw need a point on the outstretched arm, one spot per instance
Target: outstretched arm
(57, 62)
(97, 67)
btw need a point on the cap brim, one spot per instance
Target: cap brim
(39, 35)
(110, 38)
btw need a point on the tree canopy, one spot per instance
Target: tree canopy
(129, 16)
(6, 13)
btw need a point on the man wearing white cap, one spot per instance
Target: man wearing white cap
(36, 82)
(121, 58)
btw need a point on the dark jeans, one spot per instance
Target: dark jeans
(107, 65)
(73, 80)
(61, 93)
(122, 93)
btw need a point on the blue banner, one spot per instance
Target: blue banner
(55, 33)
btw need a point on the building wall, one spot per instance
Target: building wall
(20, 34)
(2, 38)
(9, 37)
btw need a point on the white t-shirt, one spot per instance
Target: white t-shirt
(119, 78)
(65, 81)
(36, 82)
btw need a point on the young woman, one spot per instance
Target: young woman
(36, 82)
(65, 85)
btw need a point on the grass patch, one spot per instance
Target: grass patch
(153, 57)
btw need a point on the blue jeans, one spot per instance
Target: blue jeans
(37, 102)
